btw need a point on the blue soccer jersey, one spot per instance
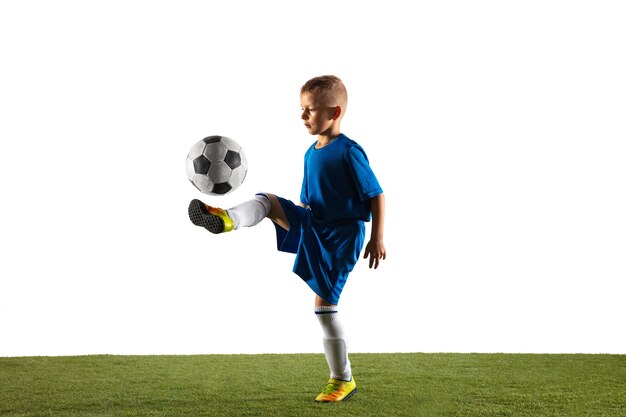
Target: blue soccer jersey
(338, 182)
(329, 236)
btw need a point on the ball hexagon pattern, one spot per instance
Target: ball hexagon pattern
(216, 165)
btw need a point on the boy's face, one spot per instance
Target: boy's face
(318, 115)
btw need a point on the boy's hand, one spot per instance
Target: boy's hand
(375, 249)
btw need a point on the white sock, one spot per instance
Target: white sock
(335, 344)
(251, 212)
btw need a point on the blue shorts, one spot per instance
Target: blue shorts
(325, 253)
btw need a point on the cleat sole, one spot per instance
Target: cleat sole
(350, 395)
(200, 216)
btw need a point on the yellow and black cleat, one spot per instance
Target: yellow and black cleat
(213, 219)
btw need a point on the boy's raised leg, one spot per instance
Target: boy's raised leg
(247, 214)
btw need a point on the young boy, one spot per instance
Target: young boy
(326, 229)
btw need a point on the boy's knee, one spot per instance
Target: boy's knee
(276, 212)
(265, 200)
(270, 199)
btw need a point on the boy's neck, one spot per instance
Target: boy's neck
(323, 140)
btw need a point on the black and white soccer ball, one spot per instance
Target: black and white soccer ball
(216, 165)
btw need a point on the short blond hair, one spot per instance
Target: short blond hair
(329, 87)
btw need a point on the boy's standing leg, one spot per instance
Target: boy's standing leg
(341, 385)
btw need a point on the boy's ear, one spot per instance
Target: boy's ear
(337, 113)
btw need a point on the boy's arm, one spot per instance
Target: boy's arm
(375, 248)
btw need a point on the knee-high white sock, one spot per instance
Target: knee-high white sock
(251, 212)
(335, 344)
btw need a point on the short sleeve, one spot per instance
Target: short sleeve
(362, 174)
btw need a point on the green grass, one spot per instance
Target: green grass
(285, 385)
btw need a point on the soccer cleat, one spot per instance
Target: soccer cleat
(337, 390)
(213, 219)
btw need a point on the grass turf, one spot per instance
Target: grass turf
(285, 385)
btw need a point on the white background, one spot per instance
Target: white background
(497, 130)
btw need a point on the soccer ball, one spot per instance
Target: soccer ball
(216, 165)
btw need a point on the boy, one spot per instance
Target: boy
(326, 229)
